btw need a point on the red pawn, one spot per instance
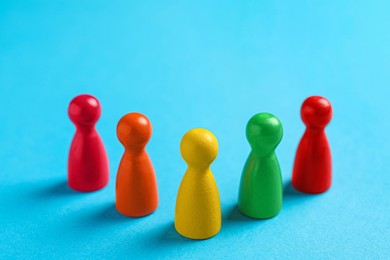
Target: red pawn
(88, 162)
(313, 162)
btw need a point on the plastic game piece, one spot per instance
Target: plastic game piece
(198, 207)
(312, 171)
(136, 184)
(261, 191)
(88, 168)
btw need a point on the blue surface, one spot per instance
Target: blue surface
(188, 65)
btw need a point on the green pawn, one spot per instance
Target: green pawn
(261, 190)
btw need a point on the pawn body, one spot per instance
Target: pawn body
(198, 206)
(312, 172)
(261, 191)
(88, 168)
(136, 183)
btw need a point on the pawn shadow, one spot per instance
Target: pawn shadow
(55, 190)
(164, 237)
(235, 214)
(109, 213)
(293, 197)
(169, 235)
(290, 191)
(290, 194)
(103, 217)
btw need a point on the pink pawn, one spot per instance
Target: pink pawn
(88, 162)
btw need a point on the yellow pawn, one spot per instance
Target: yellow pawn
(198, 207)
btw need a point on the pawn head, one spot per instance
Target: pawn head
(264, 132)
(134, 129)
(84, 110)
(199, 147)
(316, 112)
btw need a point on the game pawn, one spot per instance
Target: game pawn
(261, 191)
(88, 168)
(312, 171)
(198, 207)
(136, 184)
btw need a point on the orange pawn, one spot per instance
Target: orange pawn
(136, 184)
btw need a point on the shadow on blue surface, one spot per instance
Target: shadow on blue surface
(111, 214)
(169, 235)
(290, 192)
(165, 239)
(105, 217)
(51, 191)
(58, 189)
(235, 215)
(293, 198)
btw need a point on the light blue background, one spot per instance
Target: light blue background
(188, 64)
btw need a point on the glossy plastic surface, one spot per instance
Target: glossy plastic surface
(136, 183)
(186, 64)
(312, 171)
(198, 206)
(88, 168)
(261, 190)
